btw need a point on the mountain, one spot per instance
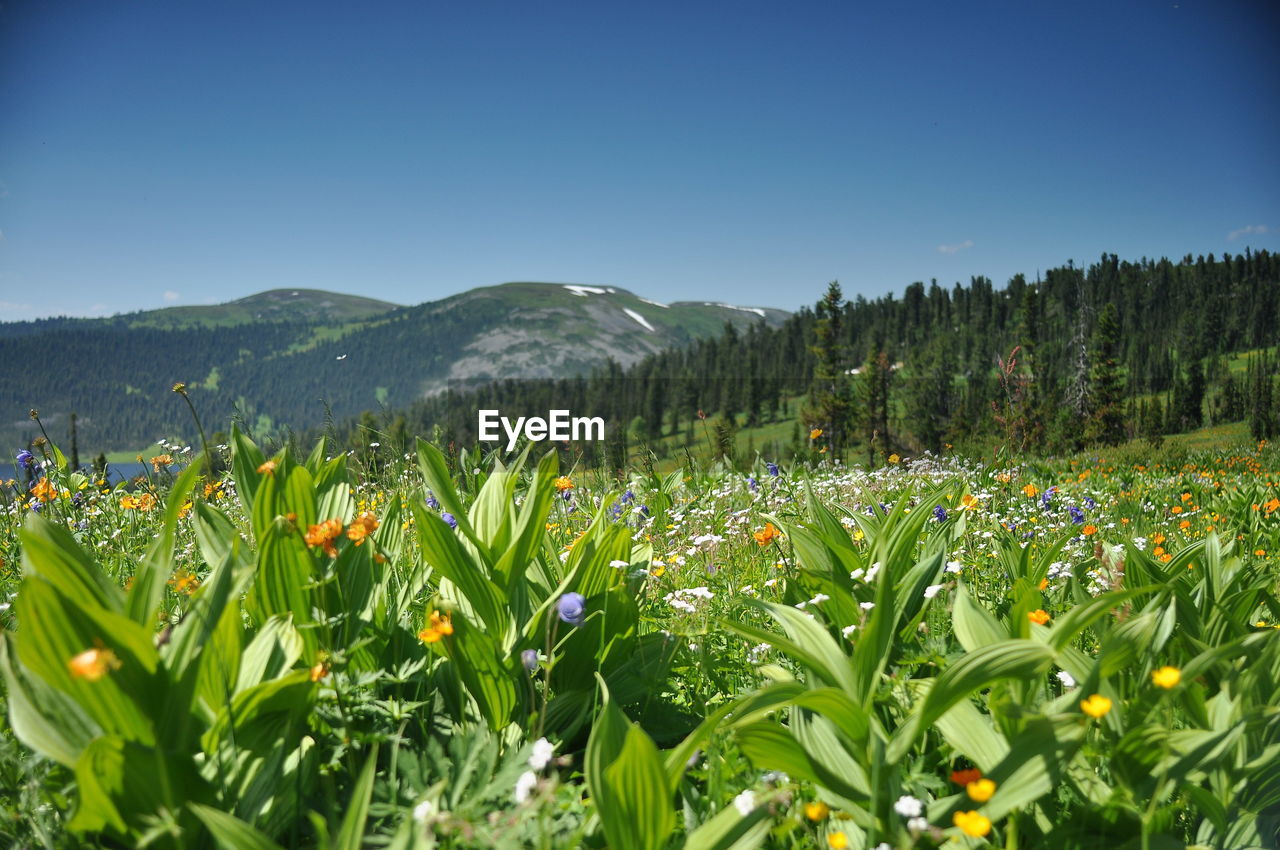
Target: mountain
(291, 358)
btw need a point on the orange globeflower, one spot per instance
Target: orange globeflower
(323, 535)
(92, 664)
(44, 491)
(362, 526)
(1039, 616)
(767, 535)
(438, 626)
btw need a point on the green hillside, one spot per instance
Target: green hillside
(276, 305)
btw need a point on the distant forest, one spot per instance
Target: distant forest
(1083, 356)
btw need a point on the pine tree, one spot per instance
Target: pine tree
(830, 407)
(1106, 385)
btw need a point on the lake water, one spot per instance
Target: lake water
(116, 472)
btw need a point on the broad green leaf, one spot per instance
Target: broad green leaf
(229, 832)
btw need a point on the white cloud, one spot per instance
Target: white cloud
(170, 296)
(1252, 229)
(955, 247)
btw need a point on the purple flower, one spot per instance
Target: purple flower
(448, 517)
(432, 502)
(1077, 515)
(1090, 503)
(1047, 496)
(529, 658)
(753, 484)
(773, 469)
(26, 460)
(627, 498)
(939, 513)
(572, 608)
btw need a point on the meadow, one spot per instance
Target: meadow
(239, 650)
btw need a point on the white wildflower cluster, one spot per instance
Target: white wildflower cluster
(688, 599)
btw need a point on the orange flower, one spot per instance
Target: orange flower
(968, 502)
(767, 535)
(146, 502)
(1039, 616)
(161, 460)
(319, 671)
(92, 664)
(362, 526)
(1185, 524)
(1177, 509)
(815, 433)
(438, 626)
(44, 491)
(1186, 497)
(267, 468)
(1089, 530)
(184, 582)
(1272, 506)
(965, 776)
(1044, 582)
(1031, 491)
(323, 535)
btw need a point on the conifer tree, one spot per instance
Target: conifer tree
(1106, 385)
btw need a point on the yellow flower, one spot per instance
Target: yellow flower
(180, 388)
(563, 483)
(1095, 706)
(1039, 616)
(981, 790)
(815, 433)
(968, 502)
(972, 823)
(92, 664)
(817, 810)
(267, 468)
(894, 458)
(1166, 677)
(837, 841)
(1031, 491)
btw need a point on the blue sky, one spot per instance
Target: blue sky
(156, 153)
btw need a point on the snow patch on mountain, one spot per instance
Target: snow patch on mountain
(641, 319)
(755, 310)
(584, 291)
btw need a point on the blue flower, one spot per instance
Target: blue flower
(431, 502)
(773, 469)
(1047, 496)
(529, 658)
(448, 517)
(572, 608)
(1077, 515)
(940, 513)
(615, 510)
(1090, 503)
(627, 498)
(643, 510)
(753, 484)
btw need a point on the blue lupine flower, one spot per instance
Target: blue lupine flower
(572, 608)
(773, 469)
(940, 513)
(432, 502)
(448, 517)
(1077, 515)
(26, 459)
(753, 484)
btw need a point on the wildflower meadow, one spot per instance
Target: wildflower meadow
(457, 650)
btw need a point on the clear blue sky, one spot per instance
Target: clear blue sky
(169, 152)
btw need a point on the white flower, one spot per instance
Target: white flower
(525, 785)
(908, 806)
(745, 802)
(932, 591)
(866, 606)
(848, 630)
(1066, 679)
(883, 845)
(917, 824)
(954, 566)
(542, 752)
(618, 564)
(424, 811)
